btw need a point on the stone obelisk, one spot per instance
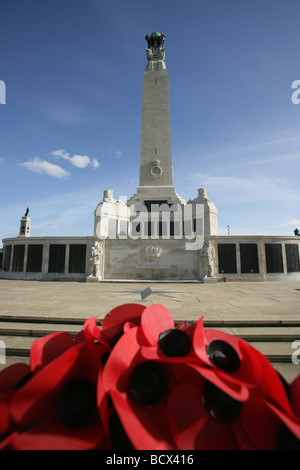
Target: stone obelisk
(156, 171)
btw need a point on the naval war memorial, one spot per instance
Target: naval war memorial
(155, 235)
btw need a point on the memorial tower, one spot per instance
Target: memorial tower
(156, 171)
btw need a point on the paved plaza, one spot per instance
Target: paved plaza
(267, 312)
(222, 301)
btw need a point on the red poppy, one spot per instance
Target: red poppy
(113, 325)
(162, 341)
(140, 382)
(57, 408)
(120, 318)
(205, 417)
(138, 389)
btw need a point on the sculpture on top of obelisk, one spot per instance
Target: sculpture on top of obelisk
(155, 51)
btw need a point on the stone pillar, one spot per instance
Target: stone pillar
(284, 262)
(67, 258)
(238, 259)
(261, 258)
(25, 257)
(45, 263)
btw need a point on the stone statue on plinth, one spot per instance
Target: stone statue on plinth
(25, 224)
(208, 256)
(95, 262)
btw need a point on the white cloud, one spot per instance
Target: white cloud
(46, 168)
(79, 161)
(95, 163)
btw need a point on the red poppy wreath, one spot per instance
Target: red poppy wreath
(140, 382)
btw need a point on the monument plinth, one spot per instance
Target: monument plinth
(25, 224)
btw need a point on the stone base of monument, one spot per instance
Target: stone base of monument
(209, 280)
(93, 279)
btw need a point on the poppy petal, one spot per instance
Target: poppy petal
(11, 376)
(48, 348)
(154, 320)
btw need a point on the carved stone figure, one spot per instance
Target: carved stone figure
(108, 196)
(207, 253)
(95, 259)
(27, 212)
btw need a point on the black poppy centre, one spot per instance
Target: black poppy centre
(220, 405)
(223, 355)
(76, 403)
(174, 343)
(148, 384)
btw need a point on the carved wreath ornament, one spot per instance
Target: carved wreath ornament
(152, 251)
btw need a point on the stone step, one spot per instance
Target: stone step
(248, 333)
(279, 351)
(210, 323)
(36, 329)
(274, 341)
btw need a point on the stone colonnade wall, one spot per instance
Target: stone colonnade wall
(68, 258)
(257, 257)
(46, 258)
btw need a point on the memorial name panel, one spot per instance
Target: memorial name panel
(77, 258)
(249, 258)
(227, 258)
(7, 258)
(18, 258)
(292, 258)
(34, 258)
(57, 256)
(274, 260)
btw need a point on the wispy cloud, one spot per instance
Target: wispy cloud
(292, 223)
(63, 113)
(255, 188)
(79, 161)
(95, 163)
(45, 168)
(115, 152)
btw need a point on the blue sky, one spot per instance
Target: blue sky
(71, 124)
